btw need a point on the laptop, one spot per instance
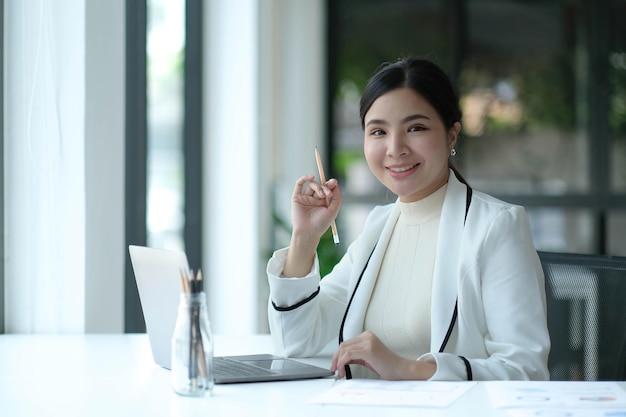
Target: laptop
(157, 273)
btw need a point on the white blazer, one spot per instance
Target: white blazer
(487, 264)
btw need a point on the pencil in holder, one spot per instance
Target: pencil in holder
(192, 347)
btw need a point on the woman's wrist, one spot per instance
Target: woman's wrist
(304, 241)
(421, 370)
(300, 256)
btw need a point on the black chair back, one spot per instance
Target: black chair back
(586, 300)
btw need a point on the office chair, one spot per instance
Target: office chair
(586, 300)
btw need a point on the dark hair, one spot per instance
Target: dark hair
(422, 76)
(425, 78)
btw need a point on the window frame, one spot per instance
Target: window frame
(136, 154)
(137, 143)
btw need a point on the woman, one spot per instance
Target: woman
(444, 284)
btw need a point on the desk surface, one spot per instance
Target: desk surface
(114, 375)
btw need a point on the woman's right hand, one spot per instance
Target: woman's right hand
(313, 206)
(313, 209)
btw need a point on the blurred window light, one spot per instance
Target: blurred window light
(165, 50)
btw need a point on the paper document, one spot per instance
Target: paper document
(567, 412)
(556, 394)
(393, 393)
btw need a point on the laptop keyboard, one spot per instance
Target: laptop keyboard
(229, 368)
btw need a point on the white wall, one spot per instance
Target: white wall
(230, 161)
(105, 251)
(292, 85)
(264, 95)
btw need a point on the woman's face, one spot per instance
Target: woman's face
(407, 145)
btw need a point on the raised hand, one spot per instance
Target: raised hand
(313, 209)
(313, 206)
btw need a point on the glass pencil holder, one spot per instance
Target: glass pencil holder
(192, 347)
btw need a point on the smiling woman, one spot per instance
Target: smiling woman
(407, 145)
(431, 288)
(411, 107)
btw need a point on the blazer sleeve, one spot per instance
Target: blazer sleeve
(502, 325)
(305, 313)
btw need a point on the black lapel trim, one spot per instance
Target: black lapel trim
(345, 315)
(451, 326)
(301, 303)
(455, 313)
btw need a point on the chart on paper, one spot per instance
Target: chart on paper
(566, 412)
(575, 395)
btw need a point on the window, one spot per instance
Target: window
(537, 128)
(617, 100)
(165, 105)
(163, 134)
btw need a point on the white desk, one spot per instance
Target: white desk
(114, 375)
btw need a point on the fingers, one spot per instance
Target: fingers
(339, 363)
(313, 206)
(300, 184)
(306, 185)
(333, 364)
(335, 197)
(336, 365)
(354, 351)
(367, 350)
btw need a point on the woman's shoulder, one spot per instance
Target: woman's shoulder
(487, 208)
(486, 199)
(482, 204)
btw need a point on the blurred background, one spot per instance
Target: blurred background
(224, 101)
(543, 92)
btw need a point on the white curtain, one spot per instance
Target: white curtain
(64, 168)
(44, 142)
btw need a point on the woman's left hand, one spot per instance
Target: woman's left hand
(368, 350)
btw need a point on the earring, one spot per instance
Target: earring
(453, 152)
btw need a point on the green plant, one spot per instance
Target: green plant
(327, 252)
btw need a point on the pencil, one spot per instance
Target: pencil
(320, 169)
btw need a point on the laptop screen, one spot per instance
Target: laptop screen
(157, 273)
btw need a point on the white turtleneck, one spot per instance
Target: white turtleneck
(399, 308)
